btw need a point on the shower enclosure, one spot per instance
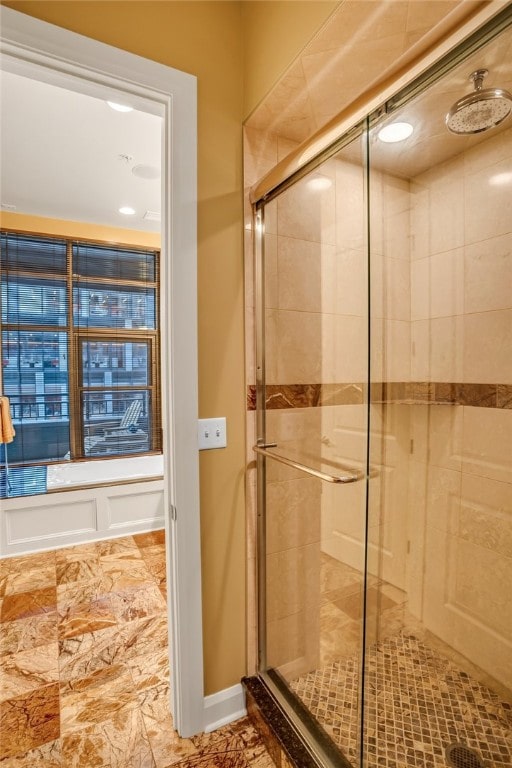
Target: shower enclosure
(384, 411)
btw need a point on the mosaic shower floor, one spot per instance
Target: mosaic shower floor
(418, 702)
(84, 673)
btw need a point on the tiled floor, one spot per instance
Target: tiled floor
(84, 676)
(417, 701)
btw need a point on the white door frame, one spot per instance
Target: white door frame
(63, 57)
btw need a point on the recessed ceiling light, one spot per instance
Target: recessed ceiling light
(119, 107)
(395, 132)
(127, 211)
(146, 171)
(152, 216)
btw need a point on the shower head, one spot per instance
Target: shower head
(480, 110)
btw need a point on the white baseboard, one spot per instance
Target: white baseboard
(224, 707)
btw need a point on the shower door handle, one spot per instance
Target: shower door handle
(348, 478)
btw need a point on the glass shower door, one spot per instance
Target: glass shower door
(313, 438)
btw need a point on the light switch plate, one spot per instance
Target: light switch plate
(211, 433)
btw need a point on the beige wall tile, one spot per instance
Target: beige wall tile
(350, 206)
(270, 217)
(481, 585)
(285, 146)
(465, 604)
(397, 235)
(390, 288)
(271, 346)
(493, 150)
(420, 234)
(437, 433)
(351, 296)
(249, 269)
(270, 276)
(437, 349)
(487, 443)
(350, 348)
(292, 643)
(488, 347)
(261, 144)
(250, 347)
(486, 513)
(442, 490)
(437, 285)
(304, 347)
(487, 275)
(293, 581)
(293, 513)
(446, 211)
(307, 275)
(252, 613)
(390, 350)
(487, 204)
(307, 213)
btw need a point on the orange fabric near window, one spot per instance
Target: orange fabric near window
(7, 430)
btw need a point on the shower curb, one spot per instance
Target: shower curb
(281, 741)
(284, 744)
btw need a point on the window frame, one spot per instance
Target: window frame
(77, 334)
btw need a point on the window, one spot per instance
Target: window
(80, 349)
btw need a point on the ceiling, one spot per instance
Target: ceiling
(68, 155)
(431, 142)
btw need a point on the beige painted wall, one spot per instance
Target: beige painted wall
(275, 32)
(61, 228)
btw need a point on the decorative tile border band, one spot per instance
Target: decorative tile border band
(280, 396)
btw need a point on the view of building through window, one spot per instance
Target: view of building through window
(80, 349)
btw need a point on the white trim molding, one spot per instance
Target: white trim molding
(224, 707)
(43, 51)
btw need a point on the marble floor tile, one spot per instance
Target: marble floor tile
(116, 546)
(253, 747)
(24, 671)
(25, 581)
(5, 567)
(80, 618)
(167, 747)
(23, 605)
(150, 670)
(35, 562)
(137, 602)
(126, 572)
(119, 742)
(69, 595)
(48, 755)
(78, 567)
(235, 759)
(22, 634)
(85, 654)
(149, 539)
(143, 636)
(93, 699)
(157, 568)
(153, 551)
(27, 722)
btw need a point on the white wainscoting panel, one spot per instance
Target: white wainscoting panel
(35, 523)
(126, 507)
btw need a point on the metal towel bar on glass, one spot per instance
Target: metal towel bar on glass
(348, 478)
